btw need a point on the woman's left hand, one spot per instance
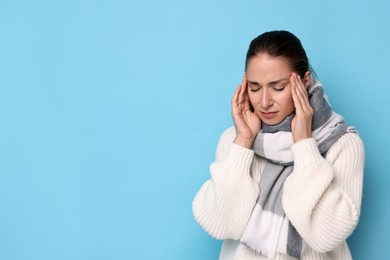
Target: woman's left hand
(301, 123)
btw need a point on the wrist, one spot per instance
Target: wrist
(301, 138)
(246, 143)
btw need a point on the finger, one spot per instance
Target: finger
(241, 97)
(302, 94)
(235, 107)
(246, 94)
(296, 99)
(235, 96)
(300, 86)
(247, 102)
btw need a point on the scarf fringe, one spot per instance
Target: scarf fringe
(263, 251)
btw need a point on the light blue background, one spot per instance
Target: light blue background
(111, 110)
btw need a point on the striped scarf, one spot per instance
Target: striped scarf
(269, 230)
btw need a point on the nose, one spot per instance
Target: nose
(266, 99)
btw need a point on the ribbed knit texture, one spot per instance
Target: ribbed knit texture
(322, 197)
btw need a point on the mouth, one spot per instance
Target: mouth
(269, 115)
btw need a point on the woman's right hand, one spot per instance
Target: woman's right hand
(246, 122)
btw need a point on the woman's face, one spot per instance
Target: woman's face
(269, 87)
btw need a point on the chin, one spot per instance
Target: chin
(273, 121)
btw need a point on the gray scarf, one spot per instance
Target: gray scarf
(269, 231)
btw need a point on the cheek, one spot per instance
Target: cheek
(291, 106)
(252, 98)
(288, 102)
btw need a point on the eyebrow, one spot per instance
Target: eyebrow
(272, 83)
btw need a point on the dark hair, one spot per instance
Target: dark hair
(280, 43)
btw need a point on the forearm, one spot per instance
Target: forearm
(225, 202)
(322, 197)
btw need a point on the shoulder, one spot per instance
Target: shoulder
(225, 141)
(228, 135)
(350, 144)
(351, 141)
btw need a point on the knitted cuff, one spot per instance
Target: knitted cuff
(306, 151)
(239, 158)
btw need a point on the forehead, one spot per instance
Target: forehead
(264, 68)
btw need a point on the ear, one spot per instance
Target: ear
(306, 79)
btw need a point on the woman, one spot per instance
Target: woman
(287, 179)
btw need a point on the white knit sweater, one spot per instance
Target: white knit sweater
(321, 197)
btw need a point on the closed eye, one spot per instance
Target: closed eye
(254, 87)
(280, 87)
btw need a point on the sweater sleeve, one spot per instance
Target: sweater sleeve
(224, 203)
(322, 197)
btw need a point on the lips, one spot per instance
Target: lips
(269, 115)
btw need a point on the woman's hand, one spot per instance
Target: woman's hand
(246, 122)
(301, 123)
